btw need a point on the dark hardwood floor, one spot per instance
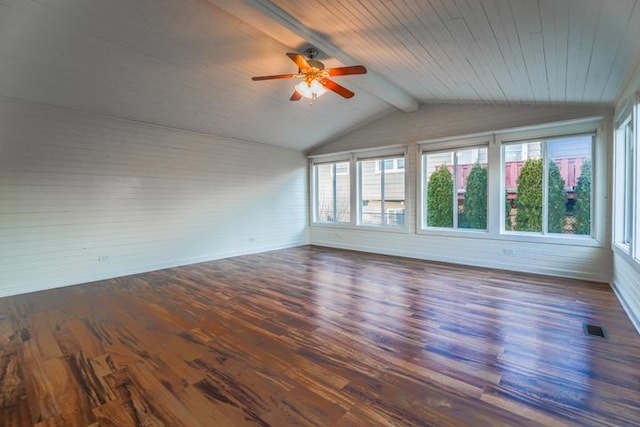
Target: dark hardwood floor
(318, 337)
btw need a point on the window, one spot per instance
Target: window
(333, 193)
(390, 165)
(547, 185)
(623, 185)
(381, 192)
(465, 171)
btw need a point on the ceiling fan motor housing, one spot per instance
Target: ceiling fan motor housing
(315, 64)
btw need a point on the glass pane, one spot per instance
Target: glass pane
(628, 187)
(569, 185)
(370, 192)
(439, 189)
(324, 201)
(513, 152)
(333, 192)
(523, 184)
(342, 168)
(471, 195)
(394, 195)
(343, 193)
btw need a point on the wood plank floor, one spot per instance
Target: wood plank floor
(318, 337)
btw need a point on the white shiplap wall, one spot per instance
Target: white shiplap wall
(85, 197)
(626, 270)
(626, 283)
(439, 121)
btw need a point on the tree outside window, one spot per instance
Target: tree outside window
(456, 189)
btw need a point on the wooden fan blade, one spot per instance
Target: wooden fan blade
(295, 96)
(277, 76)
(343, 71)
(299, 60)
(340, 90)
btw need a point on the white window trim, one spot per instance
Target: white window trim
(379, 155)
(445, 147)
(392, 169)
(596, 125)
(635, 190)
(621, 222)
(598, 152)
(313, 180)
(495, 220)
(353, 157)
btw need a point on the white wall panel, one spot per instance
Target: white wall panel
(444, 120)
(439, 121)
(84, 197)
(626, 271)
(626, 283)
(589, 263)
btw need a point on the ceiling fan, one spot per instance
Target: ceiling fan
(316, 77)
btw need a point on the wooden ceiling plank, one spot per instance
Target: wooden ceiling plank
(503, 26)
(428, 68)
(606, 44)
(486, 50)
(582, 31)
(482, 76)
(360, 39)
(530, 36)
(436, 41)
(555, 18)
(621, 44)
(454, 66)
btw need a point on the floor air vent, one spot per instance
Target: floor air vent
(594, 330)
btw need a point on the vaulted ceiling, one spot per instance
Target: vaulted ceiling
(188, 63)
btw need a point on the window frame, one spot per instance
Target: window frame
(378, 171)
(623, 185)
(544, 156)
(635, 176)
(414, 198)
(352, 158)
(315, 193)
(594, 126)
(394, 168)
(448, 147)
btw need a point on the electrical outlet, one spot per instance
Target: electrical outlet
(102, 258)
(508, 251)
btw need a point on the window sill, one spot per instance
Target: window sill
(458, 232)
(622, 249)
(567, 240)
(559, 239)
(397, 230)
(627, 257)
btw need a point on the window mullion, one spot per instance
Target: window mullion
(423, 203)
(634, 154)
(383, 220)
(316, 190)
(455, 189)
(354, 182)
(335, 193)
(545, 188)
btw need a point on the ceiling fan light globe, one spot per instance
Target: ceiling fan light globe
(304, 89)
(317, 88)
(310, 90)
